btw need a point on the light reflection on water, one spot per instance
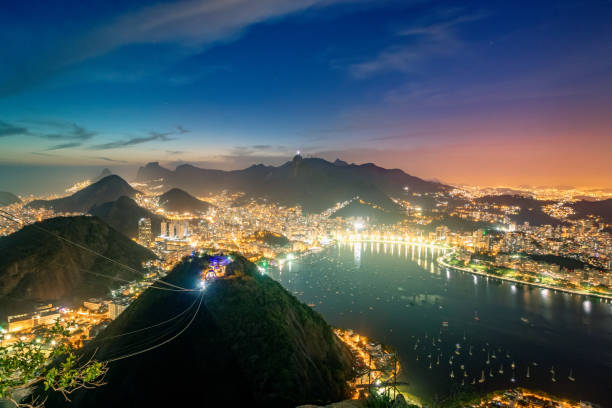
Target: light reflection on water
(396, 293)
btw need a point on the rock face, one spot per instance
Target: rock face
(110, 188)
(244, 341)
(313, 183)
(7, 198)
(35, 266)
(124, 214)
(177, 200)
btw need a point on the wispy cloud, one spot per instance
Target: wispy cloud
(106, 159)
(162, 137)
(182, 130)
(421, 43)
(191, 24)
(70, 132)
(64, 146)
(6, 130)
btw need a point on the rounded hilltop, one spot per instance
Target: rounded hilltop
(244, 341)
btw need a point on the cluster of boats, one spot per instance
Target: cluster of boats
(460, 354)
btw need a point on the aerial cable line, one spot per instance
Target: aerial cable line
(163, 342)
(148, 327)
(11, 217)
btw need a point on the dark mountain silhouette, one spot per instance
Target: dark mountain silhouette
(7, 198)
(108, 189)
(177, 200)
(530, 208)
(313, 183)
(269, 238)
(250, 343)
(104, 173)
(602, 208)
(361, 209)
(123, 214)
(37, 266)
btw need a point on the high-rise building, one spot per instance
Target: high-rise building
(115, 309)
(145, 236)
(175, 229)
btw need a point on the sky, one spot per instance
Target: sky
(474, 92)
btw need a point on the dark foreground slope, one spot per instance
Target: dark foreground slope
(108, 189)
(250, 344)
(123, 214)
(35, 266)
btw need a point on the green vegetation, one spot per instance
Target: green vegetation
(47, 359)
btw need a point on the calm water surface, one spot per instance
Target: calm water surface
(398, 295)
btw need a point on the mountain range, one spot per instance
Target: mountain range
(37, 266)
(110, 188)
(243, 342)
(313, 183)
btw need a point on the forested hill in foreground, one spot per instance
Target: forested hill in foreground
(313, 183)
(243, 342)
(35, 266)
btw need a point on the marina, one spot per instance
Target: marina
(491, 334)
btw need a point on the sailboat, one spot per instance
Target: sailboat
(571, 377)
(465, 374)
(452, 375)
(438, 360)
(490, 372)
(513, 379)
(417, 359)
(527, 372)
(463, 382)
(553, 377)
(430, 364)
(482, 377)
(464, 338)
(462, 367)
(512, 365)
(473, 381)
(470, 352)
(501, 369)
(552, 370)
(488, 360)
(493, 355)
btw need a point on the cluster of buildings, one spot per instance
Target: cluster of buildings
(85, 321)
(522, 398)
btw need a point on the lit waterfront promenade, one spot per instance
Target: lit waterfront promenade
(442, 261)
(392, 240)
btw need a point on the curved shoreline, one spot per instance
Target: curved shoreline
(441, 261)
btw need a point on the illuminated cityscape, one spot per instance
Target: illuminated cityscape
(299, 203)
